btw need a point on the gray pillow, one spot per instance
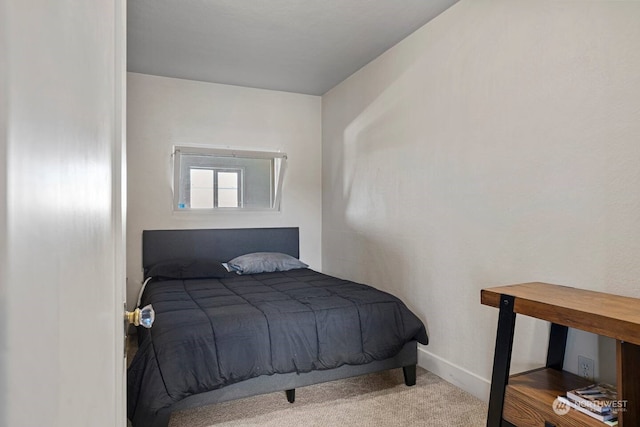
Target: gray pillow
(265, 262)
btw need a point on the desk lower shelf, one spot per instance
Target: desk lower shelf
(529, 398)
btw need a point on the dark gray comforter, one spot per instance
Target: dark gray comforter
(209, 333)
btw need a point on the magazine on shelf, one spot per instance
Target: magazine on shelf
(609, 418)
(597, 397)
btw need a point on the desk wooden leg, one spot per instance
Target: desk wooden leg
(501, 360)
(628, 365)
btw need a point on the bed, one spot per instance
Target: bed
(220, 336)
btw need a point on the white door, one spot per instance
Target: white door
(62, 213)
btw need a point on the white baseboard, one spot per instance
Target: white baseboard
(456, 375)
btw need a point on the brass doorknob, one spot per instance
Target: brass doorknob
(141, 316)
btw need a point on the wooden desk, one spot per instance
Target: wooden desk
(526, 399)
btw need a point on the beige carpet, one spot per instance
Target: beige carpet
(372, 400)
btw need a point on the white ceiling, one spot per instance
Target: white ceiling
(303, 46)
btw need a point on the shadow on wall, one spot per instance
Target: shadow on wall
(370, 237)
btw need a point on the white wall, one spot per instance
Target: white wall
(61, 334)
(4, 276)
(163, 112)
(498, 144)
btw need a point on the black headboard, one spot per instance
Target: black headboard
(216, 244)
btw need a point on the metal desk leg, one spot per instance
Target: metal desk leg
(501, 360)
(557, 346)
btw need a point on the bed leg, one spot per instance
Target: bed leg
(409, 374)
(291, 395)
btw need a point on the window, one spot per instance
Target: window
(215, 188)
(217, 179)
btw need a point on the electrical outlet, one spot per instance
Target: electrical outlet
(585, 367)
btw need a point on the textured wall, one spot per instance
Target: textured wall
(498, 144)
(163, 112)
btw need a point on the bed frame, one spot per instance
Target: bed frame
(223, 245)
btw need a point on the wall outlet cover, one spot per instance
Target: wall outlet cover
(586, 367)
